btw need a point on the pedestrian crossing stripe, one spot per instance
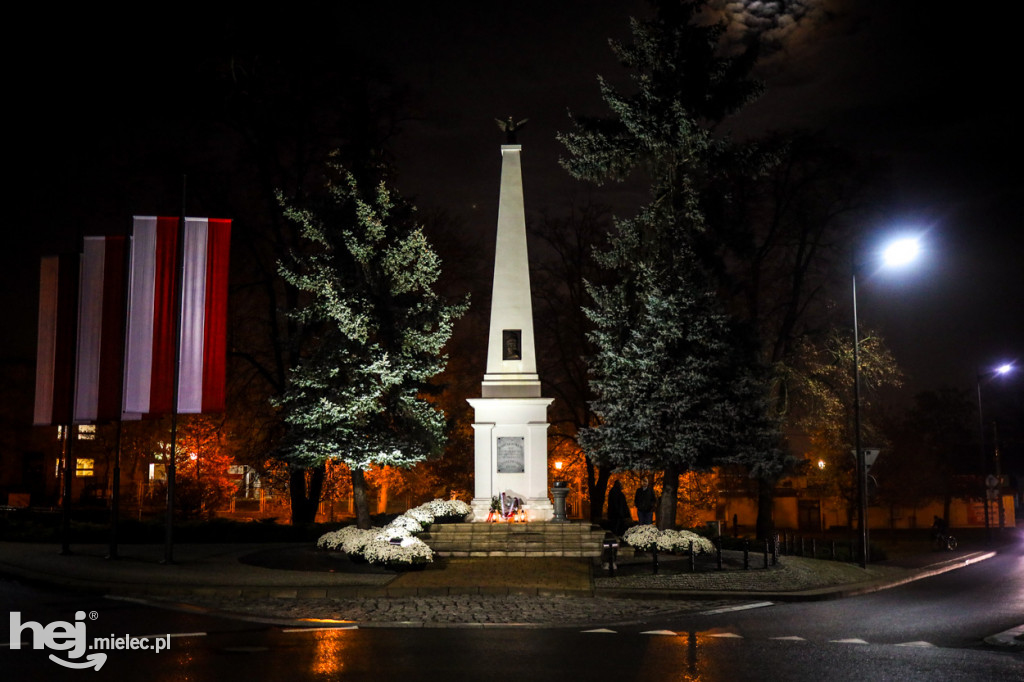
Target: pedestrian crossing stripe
(918, 643)
(791, 638)
(729, 635)
(659, 632)
(848, 641)
(602, 631)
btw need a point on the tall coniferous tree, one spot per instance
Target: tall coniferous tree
(676, 390)
(368, 281)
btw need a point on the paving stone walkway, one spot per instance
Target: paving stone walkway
(557, 592)
(463, 610)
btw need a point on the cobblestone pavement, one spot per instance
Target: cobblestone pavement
(791, 574)
(465, 611)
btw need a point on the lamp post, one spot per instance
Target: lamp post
(1005, 368)
(899, 252)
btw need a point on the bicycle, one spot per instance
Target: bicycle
(943, 541)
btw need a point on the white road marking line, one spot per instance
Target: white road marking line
(918, 643)
(659, 632)
(852, 640)
(727, 635)
(791, 638)
(741, 607)
(1006, 637)
(602, 631)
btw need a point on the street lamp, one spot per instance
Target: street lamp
(1001, 370)
(897, 253)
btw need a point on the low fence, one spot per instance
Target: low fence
(763, 554)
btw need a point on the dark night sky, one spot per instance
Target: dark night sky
(931, 90)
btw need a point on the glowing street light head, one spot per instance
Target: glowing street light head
(1005, 368)
(901, 251)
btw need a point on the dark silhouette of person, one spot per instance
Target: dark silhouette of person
(618, 509)
(643, 500)
(939, 527)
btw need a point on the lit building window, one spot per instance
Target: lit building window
(84, 466)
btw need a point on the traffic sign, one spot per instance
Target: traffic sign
(870, 455)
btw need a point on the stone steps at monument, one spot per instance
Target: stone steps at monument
(515, 539)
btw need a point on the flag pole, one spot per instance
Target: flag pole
(69, 429)
(115, 493)
(179, 278)
(65, 504)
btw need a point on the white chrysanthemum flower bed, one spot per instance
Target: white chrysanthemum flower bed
(679, 541)
(410, 551)
(405, 525)
(448, 508)
(648, 538)
(376, 546)
(349, 539)
(422, 514)
(643, 538)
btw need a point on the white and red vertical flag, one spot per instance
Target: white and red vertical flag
(153, 305)
(101, 329)
(55, 350)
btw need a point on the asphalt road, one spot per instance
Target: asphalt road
(955, 609)
(933, 629)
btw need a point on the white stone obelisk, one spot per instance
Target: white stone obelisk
(511, 423)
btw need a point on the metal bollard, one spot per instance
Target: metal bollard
(833, 550)
(814, 548)
(610, 554)
(693, 559)
(746, 555)
(718, 551)
(766, 552)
